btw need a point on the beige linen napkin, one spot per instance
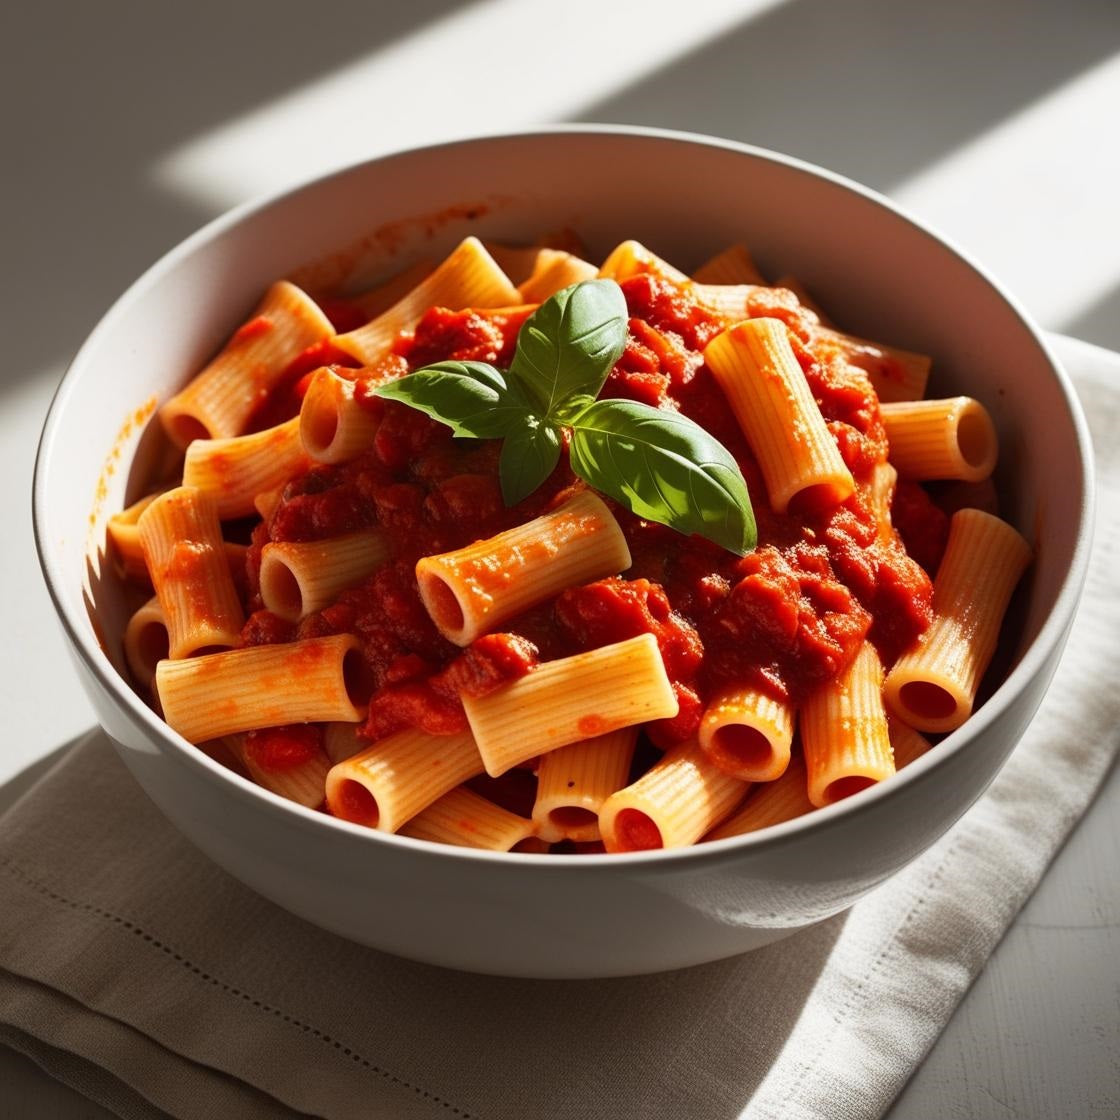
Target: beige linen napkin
(139, 973)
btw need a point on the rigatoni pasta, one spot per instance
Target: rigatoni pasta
(574, 781)
(146, 641)
(549, 708)
(769, 803)
(236, 470)
(348, 610)
(951, 438)
(748, 733)
(933, 686)
(289, 762)
(759, 374)
(389, 783)
(334, 427)
(844, 732)
(220, 694)
(298, 578)
(465, 819)
(220, 401)
(475, 589)
(672, 804)
(469, 277)
(185, 553)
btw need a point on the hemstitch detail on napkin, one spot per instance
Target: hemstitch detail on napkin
(137, 931)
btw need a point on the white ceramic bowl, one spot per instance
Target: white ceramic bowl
(880, 274)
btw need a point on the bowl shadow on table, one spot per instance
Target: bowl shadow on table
(16, 786)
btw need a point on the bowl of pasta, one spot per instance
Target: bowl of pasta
(565, 574)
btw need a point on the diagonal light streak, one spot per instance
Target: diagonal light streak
(500, 64)
(1053, 152)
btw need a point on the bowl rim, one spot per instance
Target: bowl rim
(1050, 637)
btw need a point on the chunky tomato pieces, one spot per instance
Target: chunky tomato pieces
(785, 618)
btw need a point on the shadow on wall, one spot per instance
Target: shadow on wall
(92, 95)
(873, 89)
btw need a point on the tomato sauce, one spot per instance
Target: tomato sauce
(786, 618)
(283, 748)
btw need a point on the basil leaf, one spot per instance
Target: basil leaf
(471, 398)
(664, 467)
(529, 455)
(569, 344)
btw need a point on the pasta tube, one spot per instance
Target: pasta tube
(748, 733)
(763, 382)
(467, 278)
(734, 265)
(906, 743)
(475, 589)
(770, 803)
(932, 686)
(553, 271)
(896, 374)
(182, 542)
(221, 399)
(463, 818)
(298, 578)
(301, 781)
(341, 741)
(517, 261)
(574, 781)
(123, 535)
(952, 438)
(729, 301)
(244, 689)
(844, 732)
(632, 258)
(237, 469)
(386, 784)
(672, 804)
(572, 698)
(880, 494)
(146, 642)
(333, 426)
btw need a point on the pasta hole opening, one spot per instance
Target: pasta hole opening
(281, 589)
(357, 678)
(975, 438)
(927, 700)
(318, 428)
(205, 651)
(816, 499)
(569, 818)
(635, 831)
(845, 787)
(442, 604)
(739, 747)
(184, 429)
(153, 644)
(355, 803)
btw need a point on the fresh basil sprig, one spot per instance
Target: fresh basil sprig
(659, 464)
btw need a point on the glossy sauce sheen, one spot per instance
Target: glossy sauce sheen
(786, 617)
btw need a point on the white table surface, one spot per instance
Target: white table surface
(125, 125)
